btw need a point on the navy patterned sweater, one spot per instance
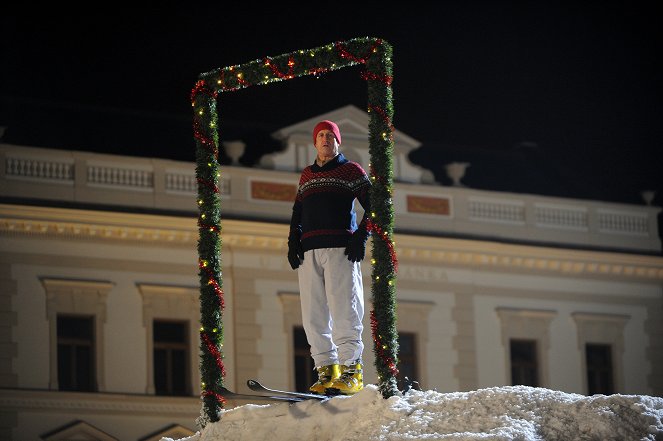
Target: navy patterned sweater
(323, 214)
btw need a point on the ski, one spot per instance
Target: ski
(255, 386)
(226, 393)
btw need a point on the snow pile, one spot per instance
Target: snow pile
(499, 413)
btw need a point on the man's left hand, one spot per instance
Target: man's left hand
(356, 248)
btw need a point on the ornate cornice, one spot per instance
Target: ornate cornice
(421, 252)
(422, 255)
(98, 402)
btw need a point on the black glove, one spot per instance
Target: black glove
(356, 248)
(295, 252)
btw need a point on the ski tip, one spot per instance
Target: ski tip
(253, 383)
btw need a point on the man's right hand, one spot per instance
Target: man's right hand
(295, 253)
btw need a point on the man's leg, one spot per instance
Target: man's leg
(315, 312)
(345, 295)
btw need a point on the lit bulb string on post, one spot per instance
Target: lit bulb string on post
(264, 71)
(382, 347)
(205, 141)
(212, 281)
(385, 118)
(297, 64)
(384, 236)
(211, 332)
(218, 357)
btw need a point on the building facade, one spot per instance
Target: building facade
(99, 277)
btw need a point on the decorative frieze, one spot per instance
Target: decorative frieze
(273, 191)
(428, 205)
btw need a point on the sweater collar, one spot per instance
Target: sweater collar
(334, 162)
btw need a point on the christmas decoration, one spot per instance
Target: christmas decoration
(374, 55)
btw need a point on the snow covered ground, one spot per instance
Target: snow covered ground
(499, 413)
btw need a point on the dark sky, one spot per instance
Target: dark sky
(472, 80)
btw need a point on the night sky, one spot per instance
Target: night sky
(473, 81)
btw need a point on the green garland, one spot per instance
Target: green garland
(375, 55)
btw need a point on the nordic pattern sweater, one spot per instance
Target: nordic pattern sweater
(323, 214)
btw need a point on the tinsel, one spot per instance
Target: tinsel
(374, 55)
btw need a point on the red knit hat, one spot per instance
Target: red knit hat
(329, 125)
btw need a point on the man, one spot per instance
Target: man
(327, 247)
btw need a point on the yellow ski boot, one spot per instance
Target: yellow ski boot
(326, 374)
(350, 382)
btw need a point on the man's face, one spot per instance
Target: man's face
(326, 144)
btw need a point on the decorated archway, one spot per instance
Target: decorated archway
(374, 55)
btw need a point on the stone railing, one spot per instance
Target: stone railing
(108, 180)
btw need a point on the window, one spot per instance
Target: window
(601, 350)
(75, 353)
(76, 311)
(407, 359)
(171, 316)
(304, 375)
(598, 359)
(524, 363)
(171, 352)
(526, 342)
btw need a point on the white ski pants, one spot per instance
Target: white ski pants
(332, 299)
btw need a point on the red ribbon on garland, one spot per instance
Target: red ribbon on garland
(372, 226)
(212, 281)
(211, 347)
(275, 70)
(216, 395)
(388, 361)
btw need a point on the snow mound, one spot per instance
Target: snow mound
(500, 413)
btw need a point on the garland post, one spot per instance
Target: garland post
(374, 55)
